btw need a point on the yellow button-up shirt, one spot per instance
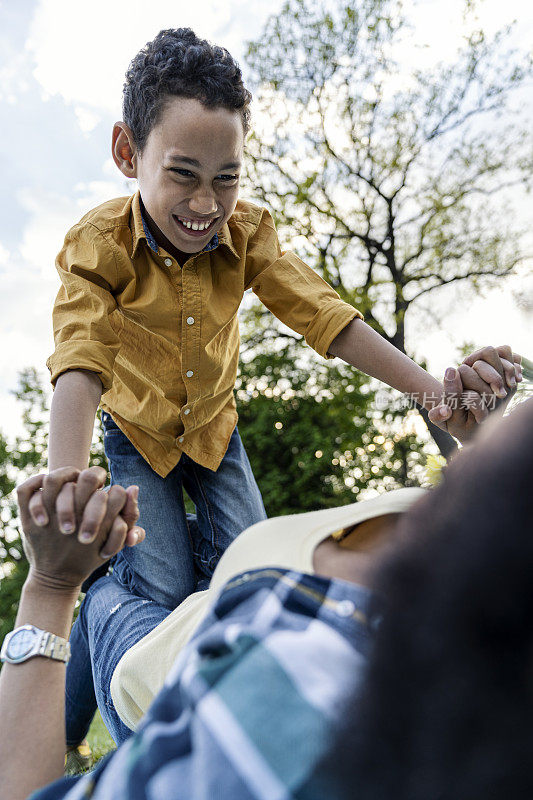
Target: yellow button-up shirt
(164, 339)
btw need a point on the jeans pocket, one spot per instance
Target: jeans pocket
(117, 446)
(123, 573)
(206, 556)
(108, 424)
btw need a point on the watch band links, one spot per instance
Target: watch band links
(53, 646)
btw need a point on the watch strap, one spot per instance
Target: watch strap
(53, 646)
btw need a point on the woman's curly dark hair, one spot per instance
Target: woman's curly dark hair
(178, 63)
(446, 708)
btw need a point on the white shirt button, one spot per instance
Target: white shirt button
(190, 320)
(189, 373)
(345, 608)
(168, 262)
(180, 439)
(187, 411)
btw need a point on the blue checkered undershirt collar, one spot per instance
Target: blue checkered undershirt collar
(154, 246)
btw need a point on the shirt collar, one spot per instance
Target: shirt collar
(224, 238)
(142, 231)
(152, 244)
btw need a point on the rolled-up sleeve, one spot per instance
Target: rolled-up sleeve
(83, 334)
(294, 292)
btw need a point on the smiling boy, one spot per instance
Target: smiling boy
(146, 326)
(188, 200)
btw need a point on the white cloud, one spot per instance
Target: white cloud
(30, 283)
(82, 51)
(87, 118)
(4, 255)
(26, 333)
(13, 80)
(50, 217)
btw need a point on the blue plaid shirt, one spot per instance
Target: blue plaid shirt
(253, 702)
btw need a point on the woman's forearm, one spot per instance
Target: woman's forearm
(359, 345)
(74, 403)
(32, 699)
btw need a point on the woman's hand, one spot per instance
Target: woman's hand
(62, 561)
(492, 371)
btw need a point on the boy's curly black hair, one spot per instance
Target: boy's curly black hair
(445, 711)
(178, 63)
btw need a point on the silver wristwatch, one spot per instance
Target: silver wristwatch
(28, 641)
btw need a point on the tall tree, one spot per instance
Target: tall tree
(391, 185)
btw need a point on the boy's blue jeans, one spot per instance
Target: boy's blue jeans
(180, 551)
(111, 620)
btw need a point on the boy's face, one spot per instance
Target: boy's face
(188, 173)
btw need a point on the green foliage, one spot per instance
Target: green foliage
(11, 587)
(27, 456)
(99, 739)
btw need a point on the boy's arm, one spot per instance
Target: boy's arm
(359, 345)
(86, 343)
(74, 403)
(75, 400)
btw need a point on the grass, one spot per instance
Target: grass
(99, 739)
(100, 743)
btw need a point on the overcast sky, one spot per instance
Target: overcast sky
(62, 64)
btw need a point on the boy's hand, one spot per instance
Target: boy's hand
(460, 411)
(64, 562)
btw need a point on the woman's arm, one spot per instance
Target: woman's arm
(32, 692)
(32, 698)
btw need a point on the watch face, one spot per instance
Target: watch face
(20, 644)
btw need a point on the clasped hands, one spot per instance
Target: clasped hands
(485, 381)
(71, 527)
